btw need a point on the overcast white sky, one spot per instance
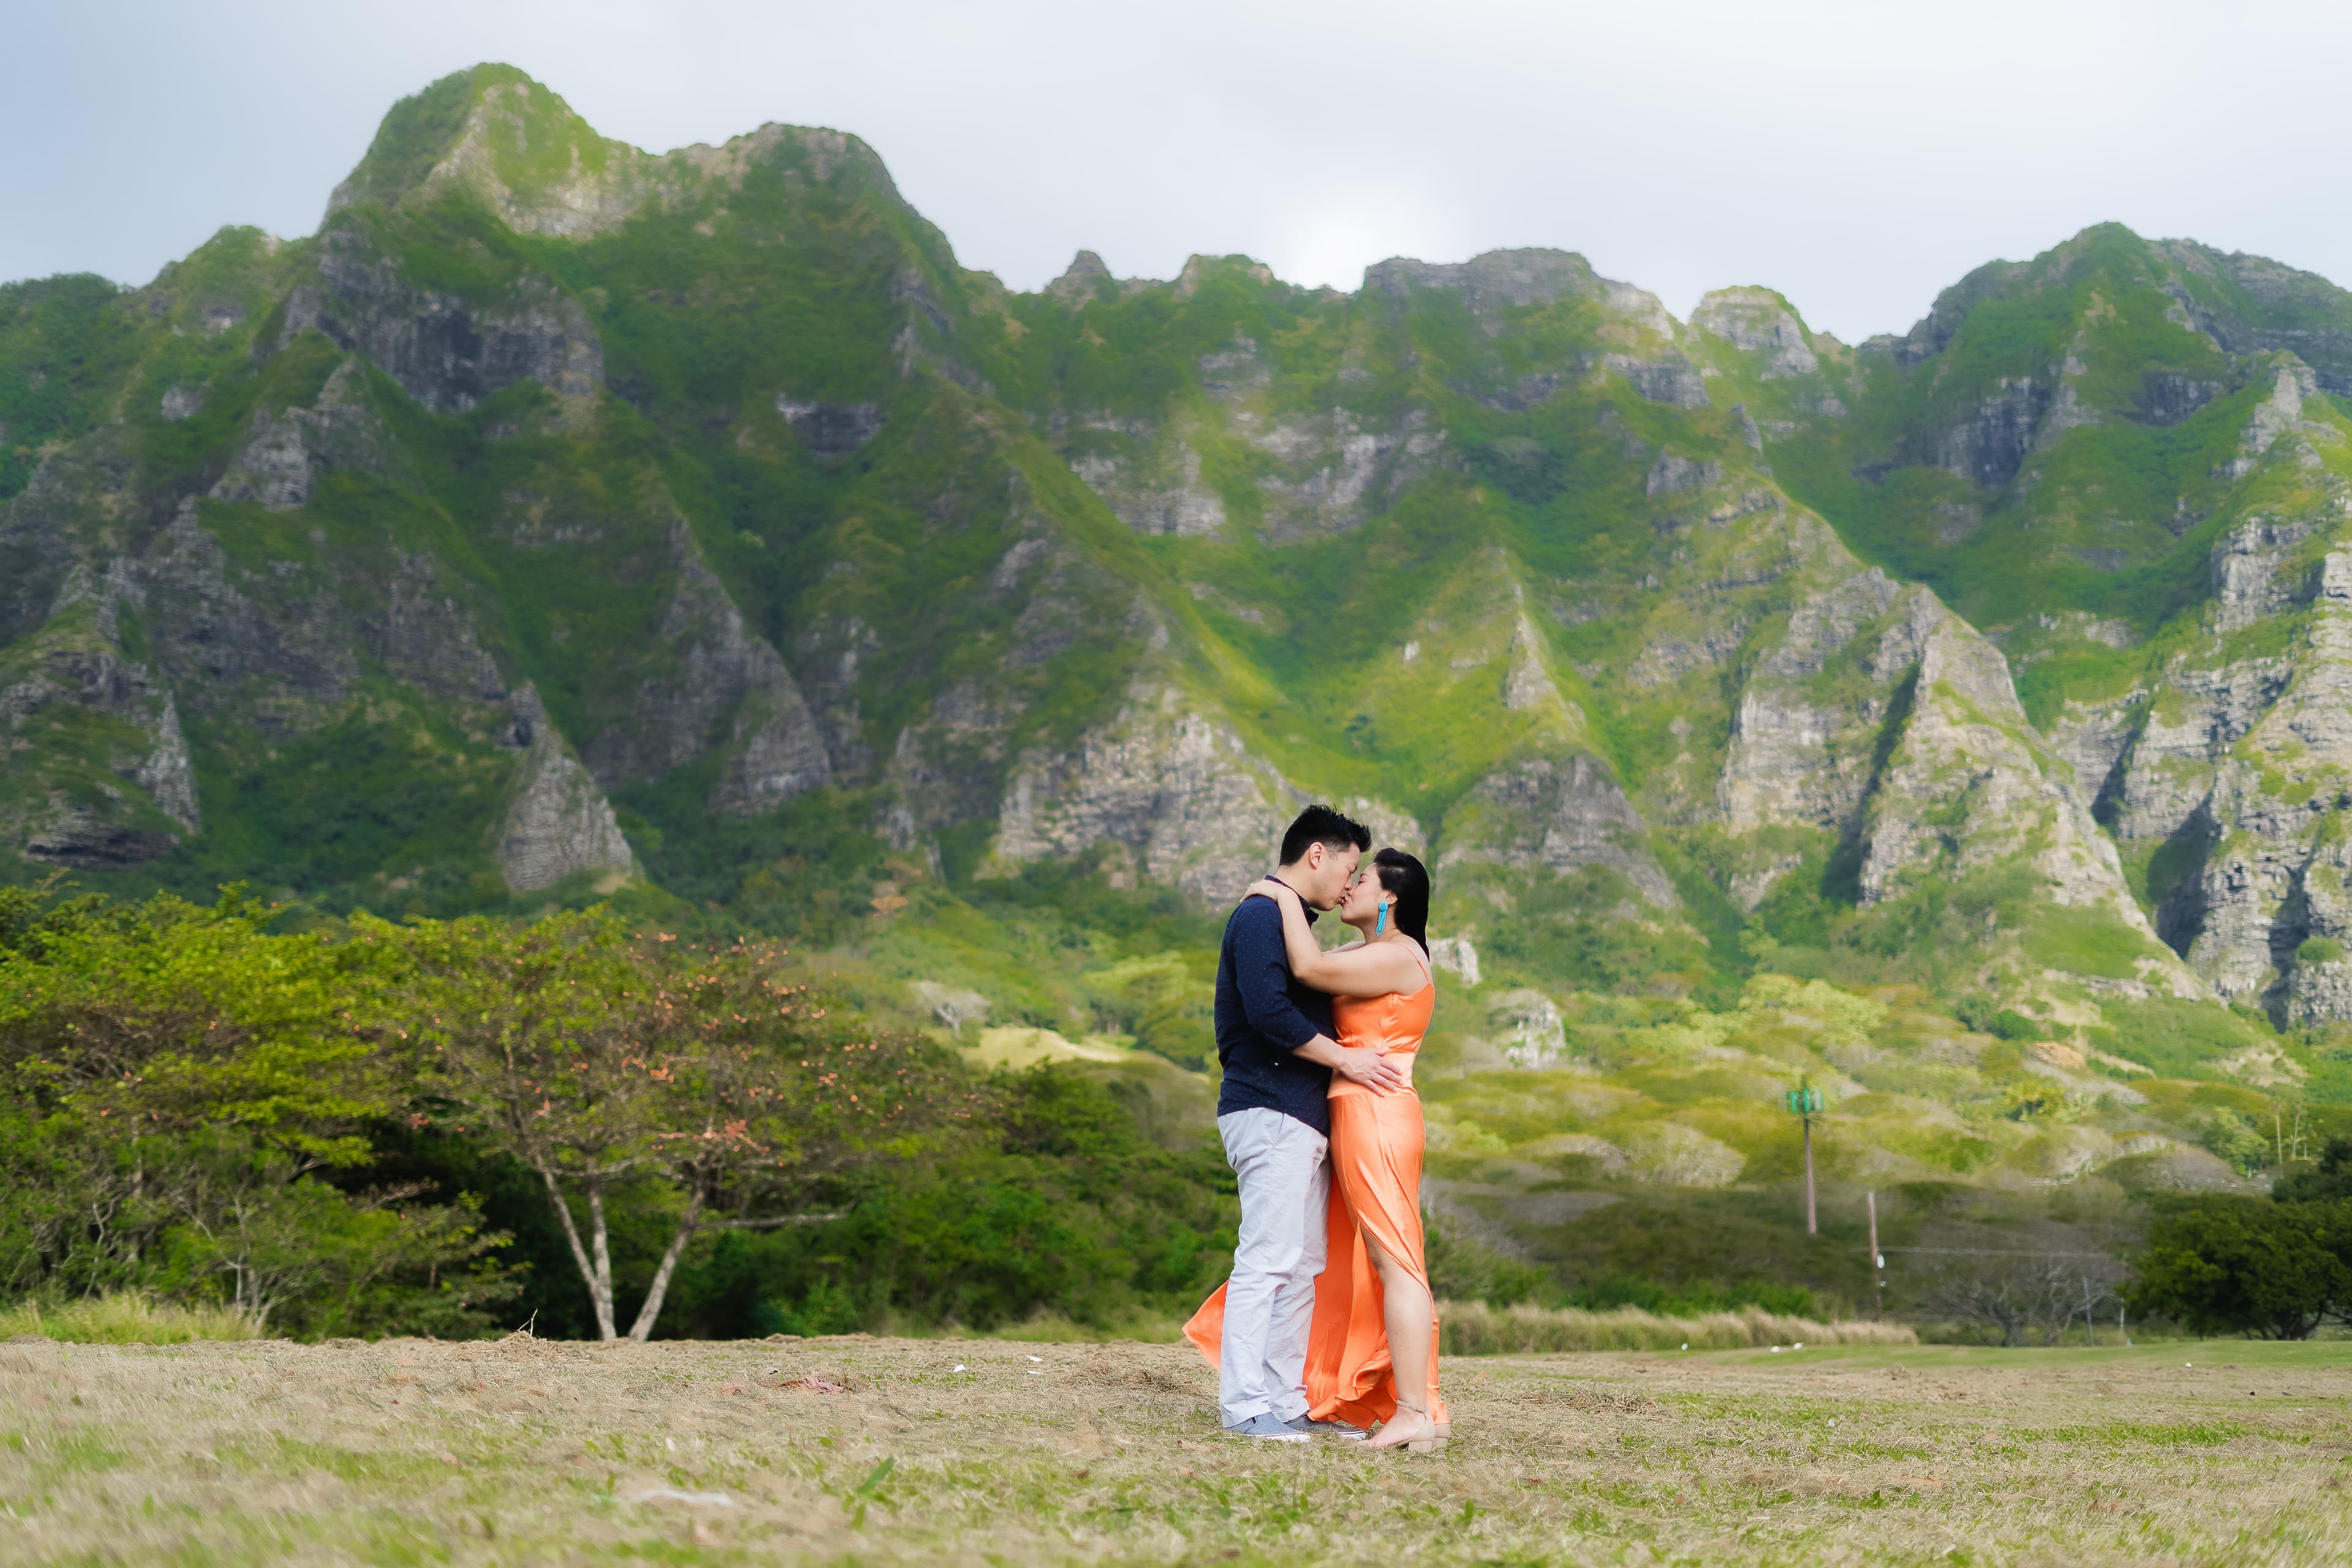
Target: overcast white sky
(1856, 156)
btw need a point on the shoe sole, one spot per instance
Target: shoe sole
(1273, 1436)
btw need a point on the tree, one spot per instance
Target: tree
(176, 1082)
(2330, 1181)
(2232, 1138)
(2029, 1294)
(130, 1033)
(1056, 1200)
(2238, 1265)
(292, 1245)
(170, 1014)
(598, 1058)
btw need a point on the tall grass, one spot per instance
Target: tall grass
(125, 1319)
(1474, 1327)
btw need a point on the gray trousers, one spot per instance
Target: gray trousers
(1285, 1185)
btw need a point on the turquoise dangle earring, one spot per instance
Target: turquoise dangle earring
(1383, 924)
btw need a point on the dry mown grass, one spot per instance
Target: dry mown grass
(266, 1452)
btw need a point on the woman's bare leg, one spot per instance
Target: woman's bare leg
(1408, 1312)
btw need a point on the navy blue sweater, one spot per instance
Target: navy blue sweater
(1264, 1014)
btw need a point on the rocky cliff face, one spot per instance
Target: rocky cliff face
(559, 823)
(2219, 767)
(114, 784)
(2104, 458)
(1167, 793)
(562, 514)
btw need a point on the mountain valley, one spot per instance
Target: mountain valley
(1961, 721)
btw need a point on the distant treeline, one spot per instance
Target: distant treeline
(451, 1127)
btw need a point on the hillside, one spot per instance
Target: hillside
(1954, 720)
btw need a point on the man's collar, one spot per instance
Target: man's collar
(1311, 910)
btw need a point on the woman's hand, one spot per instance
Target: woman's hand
(1267, 888)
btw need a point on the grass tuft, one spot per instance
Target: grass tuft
(1474, 1327)
(124, 1319)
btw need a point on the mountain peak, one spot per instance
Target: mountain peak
(1751, 317)
(510, 143)
(1084, 278)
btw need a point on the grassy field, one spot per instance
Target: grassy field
(984, 1451)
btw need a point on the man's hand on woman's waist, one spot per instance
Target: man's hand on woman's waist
(1364, 1066)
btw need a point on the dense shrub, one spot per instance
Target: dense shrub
(2327, 1181)
(1053, 1202)
(2244, 1266)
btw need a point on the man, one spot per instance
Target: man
(1274, 1039)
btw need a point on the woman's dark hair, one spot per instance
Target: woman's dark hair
(1406, 881)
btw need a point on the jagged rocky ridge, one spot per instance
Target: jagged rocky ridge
(561, 514)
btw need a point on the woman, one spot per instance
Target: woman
(1372, 1354)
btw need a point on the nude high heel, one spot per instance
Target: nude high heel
(1433, 1444)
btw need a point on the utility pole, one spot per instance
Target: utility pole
(1805, 1102)
(1877, 1259)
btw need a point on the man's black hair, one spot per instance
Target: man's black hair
(1321, 825)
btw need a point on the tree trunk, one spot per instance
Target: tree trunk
(599, 1281)
(602, 1247)
(646, 1313)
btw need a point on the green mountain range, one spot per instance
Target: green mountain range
(565, 521)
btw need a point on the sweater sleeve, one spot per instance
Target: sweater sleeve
(1262, 974)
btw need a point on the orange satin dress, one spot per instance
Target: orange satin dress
(1376, 1148)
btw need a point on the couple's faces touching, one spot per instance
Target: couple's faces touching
(1328, 875)
(1341, 879)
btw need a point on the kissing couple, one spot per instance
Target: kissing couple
(1327, 1325)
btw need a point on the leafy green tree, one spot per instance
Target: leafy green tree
(1052, 1199)
(173, 1015)
(2238, 1265)
(334, 1263)
(600, 1059)
(178, 1088)
(2236, 1140)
